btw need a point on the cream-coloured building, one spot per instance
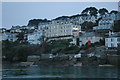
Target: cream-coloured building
(61, 29)
(57, 28)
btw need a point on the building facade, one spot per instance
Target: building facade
(106, 22)
(113, 41)
(35, 37)
(57, 28)
(85, 37)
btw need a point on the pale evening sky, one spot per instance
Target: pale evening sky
(19, 13)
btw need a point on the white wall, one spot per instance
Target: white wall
(111, 42)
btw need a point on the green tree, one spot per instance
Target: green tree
(103, 11)
(113, 11)
(90, 11)
(116, 27)
(118, 50)
(21, 53)
(35, 22)
(88, 25)
(21, 36)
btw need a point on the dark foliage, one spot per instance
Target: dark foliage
(116, 27)
(103, 11)
(91, 11)
(88, 25)
(35, 22)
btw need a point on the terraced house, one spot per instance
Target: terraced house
(58, 28)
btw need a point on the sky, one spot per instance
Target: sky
(19, 13)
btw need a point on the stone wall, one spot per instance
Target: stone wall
(114, 59)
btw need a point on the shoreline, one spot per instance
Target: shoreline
(60, 78)
(77, 64)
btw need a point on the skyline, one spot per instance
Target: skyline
(22, 12)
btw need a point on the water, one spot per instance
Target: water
(13, 71)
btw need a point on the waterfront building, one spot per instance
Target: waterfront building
(2, 30)
(113, 41)
(24, 27)
(35, 37)
(79, 19)
(89, 18)
(8, 36)
(58, 28)
(4, 36)
(114, 15)
(105, 23)
(15, 31)
(86, 37)
(16, 27)
(43, 27)
(13, 37)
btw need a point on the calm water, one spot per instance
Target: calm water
(13, 71)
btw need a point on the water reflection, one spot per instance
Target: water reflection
(13, 71)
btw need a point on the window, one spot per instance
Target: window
(67, 30)
(111, 39)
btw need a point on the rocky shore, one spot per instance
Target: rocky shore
(92, 61)
(84, 61)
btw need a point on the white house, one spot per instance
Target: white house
(85, 37)
(16, 27)
(35, 37)
(2, 30)
(58, 28)
(15, 30)
(82, 18)
(113, 41)
(114, 16)
(4, 36)
(106, 22)
(12, 37)
(89, 18)
(43, 27)
(8, 36)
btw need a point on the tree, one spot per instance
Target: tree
(113, 11)
(35, 22)
(88, 25)
(116, 26)
(90, 11)
(102, 41)
(93, 11)
(103, 11)
(85, 11)
(21, 37)
(20, 53)
(61, 18)
(118, 50)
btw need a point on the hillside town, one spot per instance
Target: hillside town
(93, 38)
